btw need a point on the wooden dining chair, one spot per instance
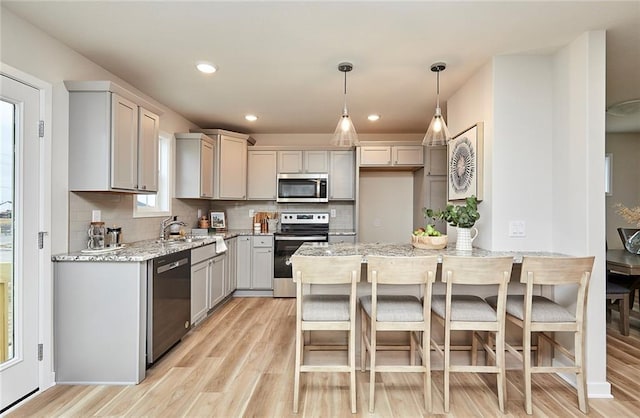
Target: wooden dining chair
(544, 317)
(408, 309)
(325, 312)
(618, 299)
(471, 313)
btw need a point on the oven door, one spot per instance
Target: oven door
(285, 246)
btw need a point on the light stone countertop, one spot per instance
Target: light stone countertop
(149, 249)
(342, 232)
(405, 250)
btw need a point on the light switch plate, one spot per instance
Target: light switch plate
(333, 213)
(517, 229)
(96, 215)
(251, 213)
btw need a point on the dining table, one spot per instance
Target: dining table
(624, 262)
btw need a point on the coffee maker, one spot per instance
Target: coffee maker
(113, 236)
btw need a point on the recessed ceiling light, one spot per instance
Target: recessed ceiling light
(251, 118)
(373, 117)
(206, 67)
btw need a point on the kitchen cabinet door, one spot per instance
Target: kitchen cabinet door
(408, 155)
(375, 155)
(315, 161)
(290, 162)
(206, 169)
(148, 137)
(124, 143)
(436, 164)
(216, 280)
(261, 175)
(232, 168)
(243, 262)
(342, 175)
(231, 266)
(199, 291)
(262, 268)
(194, 166)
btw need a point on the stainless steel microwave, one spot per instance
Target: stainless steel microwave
(303, 188)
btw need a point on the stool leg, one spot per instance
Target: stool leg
(623, 306)
(296, 381)
(372, 366)
(526, 359)
(581, 381)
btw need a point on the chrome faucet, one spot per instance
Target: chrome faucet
(166, 223)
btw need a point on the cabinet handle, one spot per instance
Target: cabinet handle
(144, 187)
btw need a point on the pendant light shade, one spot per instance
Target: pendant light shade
(345, 134)
(438, 133)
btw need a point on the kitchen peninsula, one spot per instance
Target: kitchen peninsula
(407, 250)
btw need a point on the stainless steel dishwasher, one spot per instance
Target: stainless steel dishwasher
(168, 303)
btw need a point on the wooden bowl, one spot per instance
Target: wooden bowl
(429, 243)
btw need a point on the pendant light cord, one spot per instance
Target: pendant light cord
(344, 109)
(438, 89)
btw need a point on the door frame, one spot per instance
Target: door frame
(46, 375)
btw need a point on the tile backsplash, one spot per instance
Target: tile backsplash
(117, 209)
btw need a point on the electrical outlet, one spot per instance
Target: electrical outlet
(252, 213)
(96, 216)
(199, 213)
(517, 229)
(333, 213)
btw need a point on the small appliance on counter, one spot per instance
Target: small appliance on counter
(96, 236)
(113, 236)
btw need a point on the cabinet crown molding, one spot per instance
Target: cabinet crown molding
(107, 85)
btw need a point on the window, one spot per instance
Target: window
(159, 204)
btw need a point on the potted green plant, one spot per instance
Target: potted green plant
(463, 217)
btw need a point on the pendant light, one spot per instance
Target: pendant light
(438, 133)
(345, 134)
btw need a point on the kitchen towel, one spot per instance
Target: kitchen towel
(220, 245)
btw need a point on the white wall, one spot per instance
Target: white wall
(543, 159)
(386, 206)
(578, 213)
(43, 57)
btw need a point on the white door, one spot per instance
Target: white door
(19, 219)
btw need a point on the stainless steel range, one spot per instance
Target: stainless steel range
(295, 229)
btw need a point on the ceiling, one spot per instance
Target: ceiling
(278, 60)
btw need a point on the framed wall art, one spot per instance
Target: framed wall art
(218, 220)
(464, 171)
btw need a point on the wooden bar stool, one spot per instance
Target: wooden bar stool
(458, 312)
(325, 312)
(398, 312)
(544, 317)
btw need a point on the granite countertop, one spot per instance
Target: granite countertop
(404, 250)
(140, 251)
(342, 232)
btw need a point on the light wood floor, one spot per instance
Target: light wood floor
(239, 362)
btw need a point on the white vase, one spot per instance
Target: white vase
(465, 239)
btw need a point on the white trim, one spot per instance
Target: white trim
(45, 285)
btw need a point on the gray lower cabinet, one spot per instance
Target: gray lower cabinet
(100, 322)
(255, 262)
(207, 281)
(231, 266)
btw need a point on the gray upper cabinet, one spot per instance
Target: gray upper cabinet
(342, 175)
(436, 164)
(391, 155)
(312, 161)
(113, 139)
(261, 175)
(230, 164)
(194, 166)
